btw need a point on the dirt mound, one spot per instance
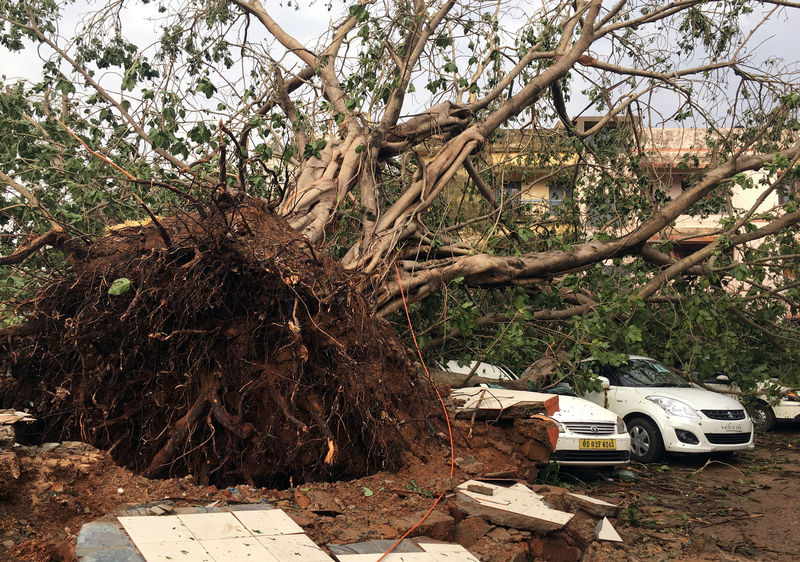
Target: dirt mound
(218, 344)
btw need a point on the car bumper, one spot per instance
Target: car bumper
(712, 435)
(569, 451)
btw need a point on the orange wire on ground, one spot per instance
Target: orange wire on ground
(444, 409)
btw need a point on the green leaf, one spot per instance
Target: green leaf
(359, 13)
(160, 139)
(633, 334)
(120, 286)
(313, 148)
(65, 86)
(368, 492)
(205, 86)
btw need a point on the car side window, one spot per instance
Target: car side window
(609, 372)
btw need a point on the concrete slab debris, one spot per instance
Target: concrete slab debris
(514, 506)
(502, 403)
(13, 416)
(480, 489)
(420, 549)
(374, 547)
(591, 505)
(105, 541)
(605, 531)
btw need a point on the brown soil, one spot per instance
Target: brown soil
(739, 508)
(743, 509)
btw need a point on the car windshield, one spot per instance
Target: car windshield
(641, 372)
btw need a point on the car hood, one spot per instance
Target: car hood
(572, 409)
(697, 398)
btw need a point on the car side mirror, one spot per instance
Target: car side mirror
(723, 378)
(604, 382)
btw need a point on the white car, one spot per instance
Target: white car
(763, 411)
(665, 413)
(485, 370)
(588, 435)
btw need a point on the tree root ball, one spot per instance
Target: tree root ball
(228, 349)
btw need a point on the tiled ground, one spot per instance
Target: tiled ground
(419, 549)
(255, 532)
(231, 534)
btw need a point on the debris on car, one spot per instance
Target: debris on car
(584, 433)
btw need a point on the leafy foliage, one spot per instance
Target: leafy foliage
(441, 139)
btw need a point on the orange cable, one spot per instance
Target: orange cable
(444, 409)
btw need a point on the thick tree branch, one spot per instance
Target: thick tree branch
(662, 277)
(26, 250)
(489, 270)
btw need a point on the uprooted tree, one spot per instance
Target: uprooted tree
(230, 118)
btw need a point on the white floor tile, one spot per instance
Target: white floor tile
(210, 526)
(392, 557)
(184, 551)
(294, 547)
(268, 522)
(453, 556)
(238, 550)
(167, 528)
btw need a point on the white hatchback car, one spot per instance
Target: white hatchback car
(665, 413)
(588, 435)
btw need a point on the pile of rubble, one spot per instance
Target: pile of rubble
(544, 522)
(9, 462)
(487, 521)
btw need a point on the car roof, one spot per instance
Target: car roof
(485, 370)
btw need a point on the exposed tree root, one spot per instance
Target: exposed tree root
(237, 354)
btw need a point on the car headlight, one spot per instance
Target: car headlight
(558, 425)
(621, 425)
(791, 396)
(675, 407)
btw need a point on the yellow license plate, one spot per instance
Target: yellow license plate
(597, 444)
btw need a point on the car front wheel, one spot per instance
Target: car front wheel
(762, 415)
(646, 442)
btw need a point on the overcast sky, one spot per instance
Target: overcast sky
(778, 38)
